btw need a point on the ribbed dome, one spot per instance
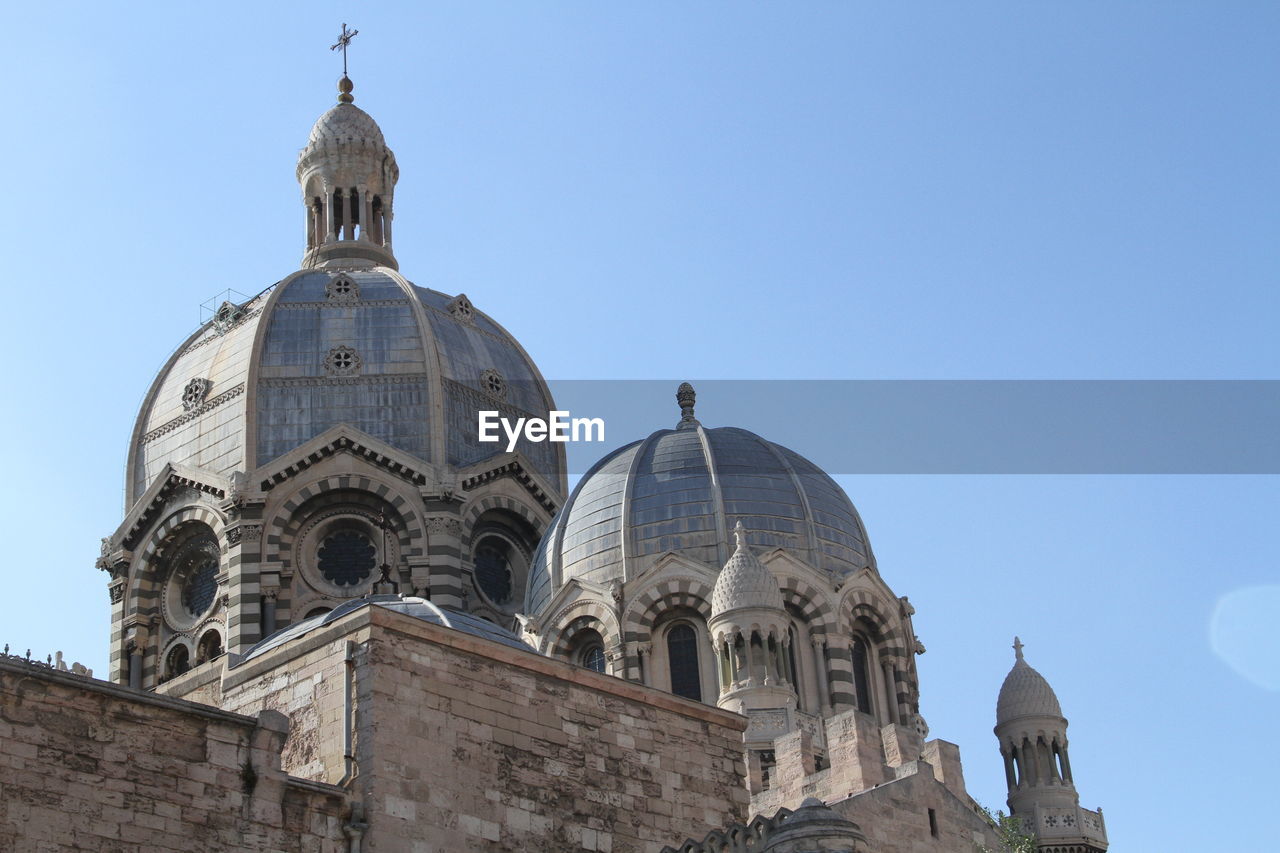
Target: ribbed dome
(744, 581)
(362, 347)
(682, 490)
(1025, 693)
(346, 124)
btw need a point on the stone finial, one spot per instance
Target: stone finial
(344, 90)
(740, 535)
(686, 397)
(1017, 648)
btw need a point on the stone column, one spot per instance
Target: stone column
(269, 612)
(386, 225)
(137, 648)
(1008, 768)
(841, 673)
(330, 220)
(820, 666)
(366, 215)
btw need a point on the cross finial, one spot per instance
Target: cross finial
(1017, 647)
(740, 534)
(343, 41)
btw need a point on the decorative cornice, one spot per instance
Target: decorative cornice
(187, 417)
(383, 379)
(345, 444)
(348, 302)
(515, 469)
(176, 480)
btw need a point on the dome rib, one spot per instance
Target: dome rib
(722, 531)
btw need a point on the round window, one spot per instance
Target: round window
(493, 569)
(346, 557)
(193, 579)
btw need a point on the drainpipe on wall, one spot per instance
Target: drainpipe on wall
(348, 715)
(355, 827)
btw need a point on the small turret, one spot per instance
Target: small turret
(348, 177)
(1037, 764)
(749, 629)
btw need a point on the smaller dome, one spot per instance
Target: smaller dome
(1025, 693)
(346, 124)
(419, 608)
(744, 581)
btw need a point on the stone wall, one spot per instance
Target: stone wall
(464, 744)
(88, 765)
(916, 813)
(907, 795)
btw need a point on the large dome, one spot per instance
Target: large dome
(358, 346)
(683, 490)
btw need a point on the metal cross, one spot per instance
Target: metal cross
(343, 41)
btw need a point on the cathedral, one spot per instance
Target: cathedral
(340, 621)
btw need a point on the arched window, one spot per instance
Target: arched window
(209, 647)
(682, 658)
(501, 546)
(587, 650)
(593, 657)
(862, 675)
(190, 561)
(177, 661)
(493, 569)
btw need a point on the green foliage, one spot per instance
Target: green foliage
(1013, 838)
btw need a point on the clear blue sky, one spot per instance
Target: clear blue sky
(728, 190)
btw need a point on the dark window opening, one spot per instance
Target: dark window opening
(933, 823)
(682, 657)
(767, 764)
(493, 569)
(177, 662)
(209, 647)
(861, 676)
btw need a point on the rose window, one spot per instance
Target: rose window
(346, 558)
(194, 394)
(342, 287)
(195, 568)
(493, 383)
(342, 361)
(462, 309)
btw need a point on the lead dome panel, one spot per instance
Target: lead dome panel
(682, 491)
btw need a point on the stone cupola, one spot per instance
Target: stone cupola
(348, 177)
(1033, 744)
